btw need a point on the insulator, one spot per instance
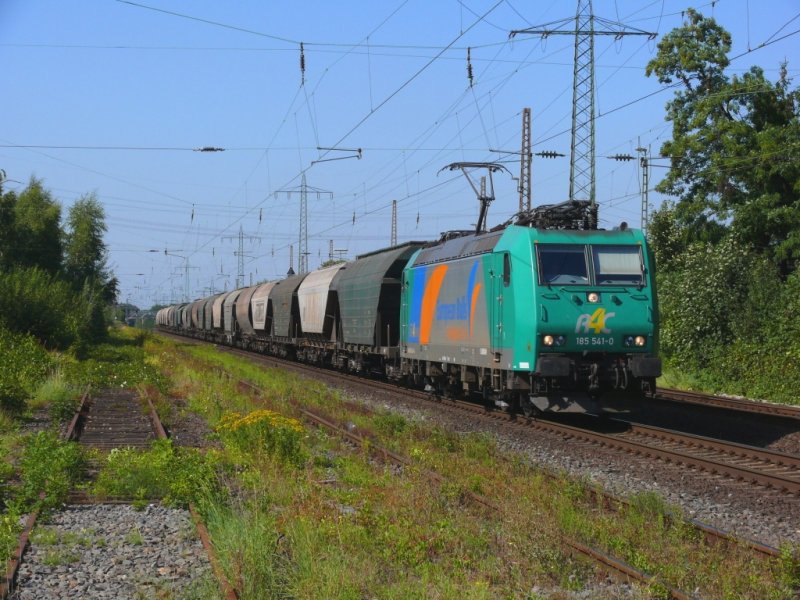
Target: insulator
(469, 67)
(549, 154)
(302, 65)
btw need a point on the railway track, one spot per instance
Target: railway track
(775, 470)
(112, 419)
(732, 460)
(737, 462)
(609, 564)
(743, 405)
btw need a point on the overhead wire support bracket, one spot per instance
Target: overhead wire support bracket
(357, 154)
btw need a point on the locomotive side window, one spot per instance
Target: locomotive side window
(506, 270)
(618, 265)
(562, 264)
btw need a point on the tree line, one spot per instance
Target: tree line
(54, 279)
(727, 242)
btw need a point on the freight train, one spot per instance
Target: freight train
(538, 314)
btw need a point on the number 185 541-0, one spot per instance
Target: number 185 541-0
(595, 341)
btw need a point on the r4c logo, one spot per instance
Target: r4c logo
(596, 322)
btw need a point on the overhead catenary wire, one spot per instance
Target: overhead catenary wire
(479, 98)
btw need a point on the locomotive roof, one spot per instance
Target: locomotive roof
(467, 245)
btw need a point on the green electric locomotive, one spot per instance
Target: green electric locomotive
(536, 318)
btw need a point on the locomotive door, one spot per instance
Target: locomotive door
(501, 278)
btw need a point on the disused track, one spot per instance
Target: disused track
(712, 534)
(114, 419)
(611, 565)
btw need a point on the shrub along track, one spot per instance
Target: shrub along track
(109, 420)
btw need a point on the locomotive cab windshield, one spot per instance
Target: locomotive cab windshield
(568, 264)
(618, 265)
(562, 264)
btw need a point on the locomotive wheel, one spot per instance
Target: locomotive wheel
(526, 407)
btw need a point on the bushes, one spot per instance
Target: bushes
(264, 431)
(49, 308)
(48, 465)
(25, 365)
(704, 301)
(728, 320)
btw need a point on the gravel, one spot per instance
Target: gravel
(112, 551)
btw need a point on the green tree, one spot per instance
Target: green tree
(85, 250)
(37, 226)
(85, 257)
(8, 233)
(735, 143)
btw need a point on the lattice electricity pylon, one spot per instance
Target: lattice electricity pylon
(304, 189)
(525, 162)
(582, 151)
(240, 255)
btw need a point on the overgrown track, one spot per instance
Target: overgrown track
(773, 470)
(610, 440)
(605, 562)
(114, 419)
(711, 534)
(732, 404)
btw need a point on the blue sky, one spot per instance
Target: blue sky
(112, 97)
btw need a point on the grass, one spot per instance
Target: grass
(60, 556)
(60, 548)
(681, 380)
(337, 524)
(58, 396)
(174, 475)
(134, 538)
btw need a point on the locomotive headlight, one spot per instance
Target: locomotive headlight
(593, 297)
(553, 340)
(640, 340)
